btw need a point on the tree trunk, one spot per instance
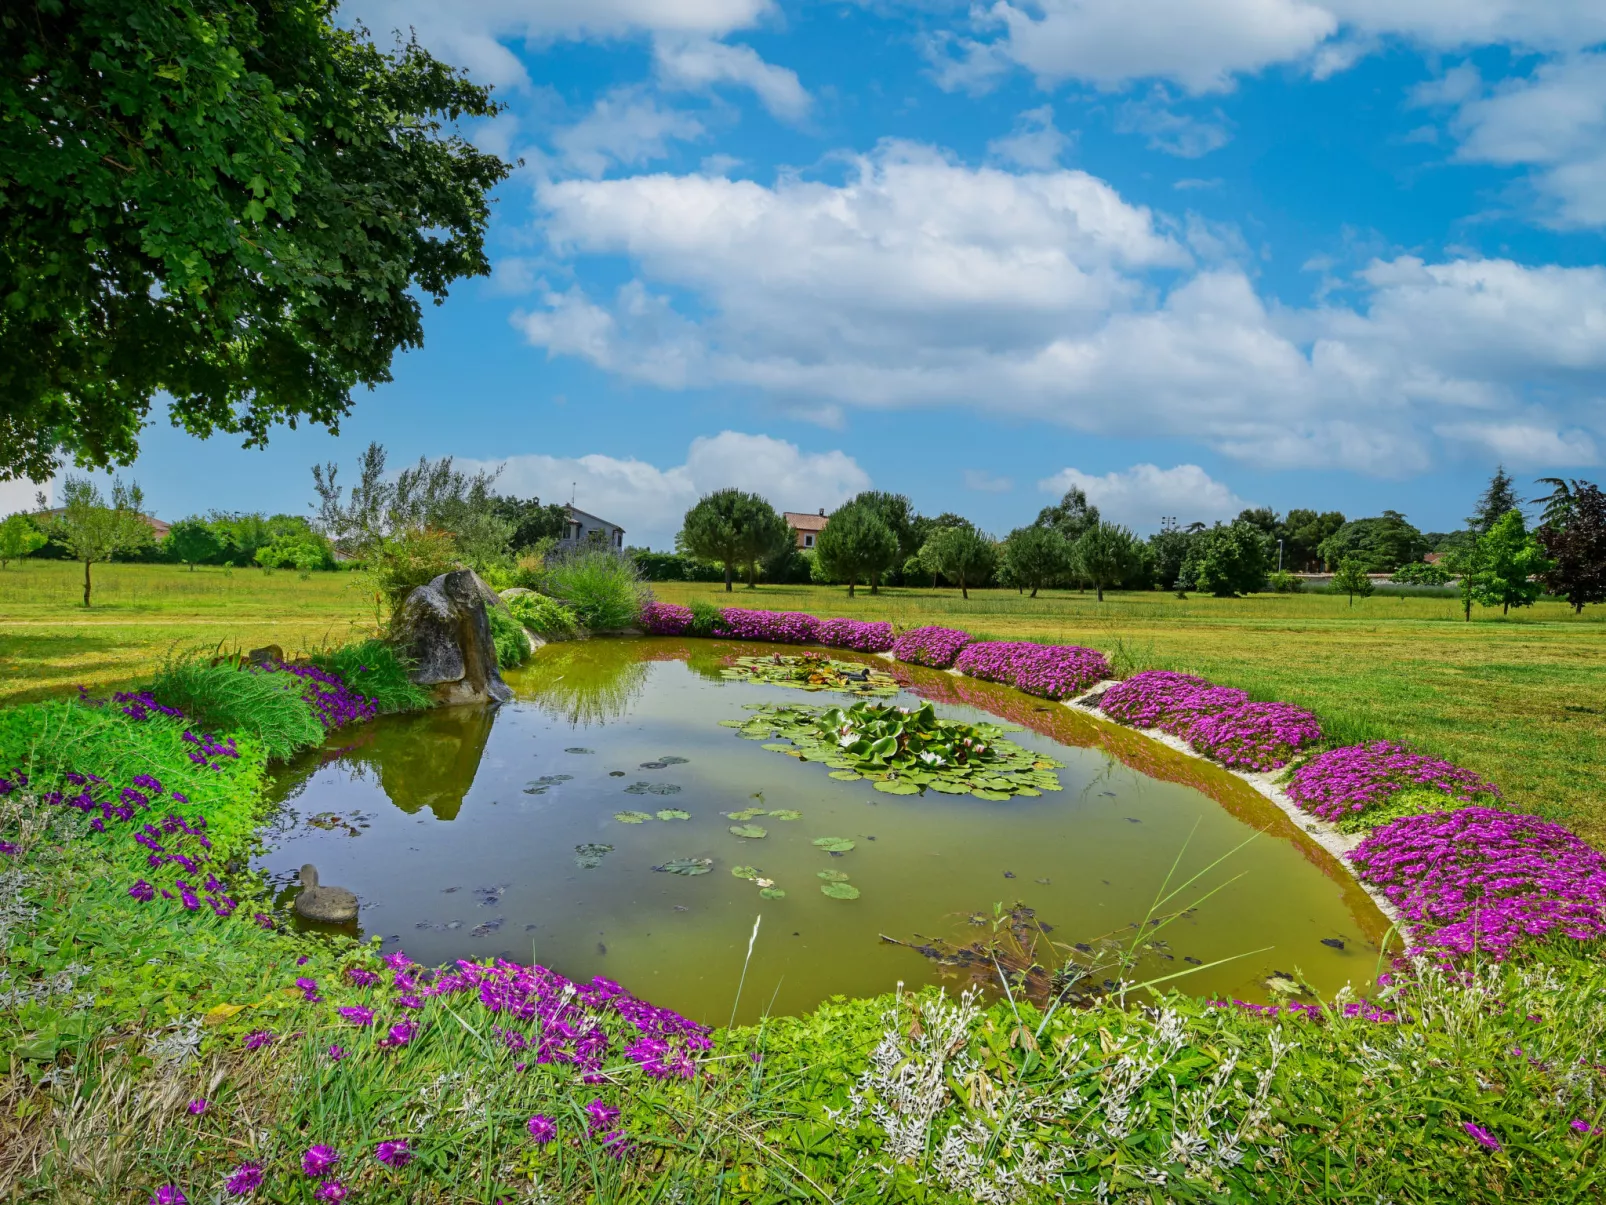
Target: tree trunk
(86, 583)
(1034, 591)
(1098, 588)
(1505, 609)
(875, 583)
(192, 566)
(851, 583)
(728, 576)
(964, 589)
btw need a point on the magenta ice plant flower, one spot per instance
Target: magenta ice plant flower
(542, 1128)
(319, 1160)
(244, 1180)
(394, 1153)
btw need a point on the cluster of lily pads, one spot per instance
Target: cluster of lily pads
(903, 750)
(814, 672)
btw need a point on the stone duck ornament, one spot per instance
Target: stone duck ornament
(333, 905)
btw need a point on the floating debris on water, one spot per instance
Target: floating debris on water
(579, 749)
(540, 786)
(589, 856)
(652, 788)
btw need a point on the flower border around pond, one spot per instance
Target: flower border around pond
(1524, 887)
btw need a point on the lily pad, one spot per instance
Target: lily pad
(834, 845)
(751, 831)
(653, 765)
(840, 891)
(833, 876)
(671, 760)
(778, 747)
(747, 814)
(996, 796)
(949, 788)
(632, 817)
(541, 785)
(732, 723)
(772, 893)
(745, 872)
(652, 788)
(786, 814)
(579, 749)
(674, 814)
(845, 775)
(897, 786)
(686, 866)
(589, 856)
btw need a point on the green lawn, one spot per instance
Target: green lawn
(1519, 698)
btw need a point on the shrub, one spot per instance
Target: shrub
(225, 698)
(666, 619)
(854, 634)
(377, 671)
(1486, 880)
(1281, 581)
(933, 646)
(1255, 736)
(411, 558)
(706, 619)
(1343, 783)
(604, 590)
(781, 627)
(546, 617)
(507, 634)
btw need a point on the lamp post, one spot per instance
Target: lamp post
(1279, 556)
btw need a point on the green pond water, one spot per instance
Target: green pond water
(458, 829)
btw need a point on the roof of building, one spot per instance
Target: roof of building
(576, 513)
(159, 527)
(799, 521)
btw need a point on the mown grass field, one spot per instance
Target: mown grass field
(1519, 698)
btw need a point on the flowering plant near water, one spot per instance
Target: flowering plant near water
(932, 646)
(776, 627)
(1050, 671)
(1350, 781)
(1220, 722)
(665, 619)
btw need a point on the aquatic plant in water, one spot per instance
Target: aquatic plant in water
(903, 751)
(812, 672)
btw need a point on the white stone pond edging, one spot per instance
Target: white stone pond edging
(1328, 836)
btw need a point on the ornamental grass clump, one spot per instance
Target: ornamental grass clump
(1344, 785)
(932, 646)
(1486, 881)
(854, 634)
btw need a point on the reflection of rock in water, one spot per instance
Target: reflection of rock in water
(591, 682)
(431, 762)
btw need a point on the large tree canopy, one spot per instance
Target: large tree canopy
(233, 201)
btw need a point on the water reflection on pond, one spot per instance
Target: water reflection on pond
(471, 832)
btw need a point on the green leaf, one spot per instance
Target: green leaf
(777, 747)
(833, 876)
(687, 866)
(834, 845)
(751, 831)
(674, 814)
(947, 787)
(632, 817)
(745, 872)
(839, 891)
(732, 723)
(898, 786)
(747, 814)
(995, 796)
(786, 814)
(772, 893)
(589, 856)
(845, 775)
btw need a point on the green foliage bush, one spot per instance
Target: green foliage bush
(507, 634)
(225, 698)
(1226, 560)
(546, 617)
(414, 557)
(705, 618)
(1413, 802)
(376, 670)
(1281, 581)
(603, 589)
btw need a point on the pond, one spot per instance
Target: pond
(470, 832)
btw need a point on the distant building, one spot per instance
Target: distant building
(159, 527)
(1433, 558)
(587, 531)
(806, 528)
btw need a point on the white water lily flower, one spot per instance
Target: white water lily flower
(765, 882)
(931, 759)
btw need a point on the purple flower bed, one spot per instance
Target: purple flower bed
(1358, 777)
(1256, 736)
(854, 634)
(1486, 880)
(778, 627)
(665, 619)
(1218, 721)
(1050, 671)
(936, 647)
(334, 703)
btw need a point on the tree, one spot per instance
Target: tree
(1382, 544)
(1559, 502)
(735, 527)
(1351, 579)
(1576, 547)
(896, 511)
(1422, 573)
(1168, 551)
(193, 542)
(1499, 498)
(1035, 556)
(19, 537)
(235, 202)
(531, 523)
(1509, 561)
(93, 531)
(855, 544)
(1071, 515)
(1303, 533)
(1106, 554)
(1226, 560)
(962, 555)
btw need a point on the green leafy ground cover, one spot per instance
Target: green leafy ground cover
(812, 672)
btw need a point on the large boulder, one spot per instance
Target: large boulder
(444, 628)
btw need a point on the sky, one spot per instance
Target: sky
(1190, 255)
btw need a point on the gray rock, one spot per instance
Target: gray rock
(332, 905)
(268, 654)
(443, 626)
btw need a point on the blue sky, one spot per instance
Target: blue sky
(1190, 254)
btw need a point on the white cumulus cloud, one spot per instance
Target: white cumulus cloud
(1144, 494)
(649, 501)
(701, 63)
(628, 128)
